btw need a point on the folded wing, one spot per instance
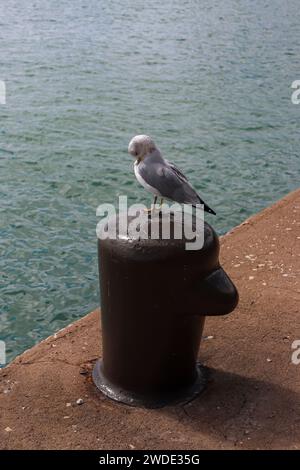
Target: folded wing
(171, 183)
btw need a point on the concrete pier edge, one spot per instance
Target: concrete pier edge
(48, 400)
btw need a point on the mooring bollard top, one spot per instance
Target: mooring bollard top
(161, 237)
(192, 280)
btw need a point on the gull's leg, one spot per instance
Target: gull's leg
(152, 205)
(161, 202)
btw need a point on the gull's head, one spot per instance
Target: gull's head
(140, 146)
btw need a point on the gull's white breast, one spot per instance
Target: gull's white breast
(147, 186)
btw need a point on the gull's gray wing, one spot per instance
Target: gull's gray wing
(176, 170)
(170, 182)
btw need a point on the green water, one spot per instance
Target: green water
(209, 80)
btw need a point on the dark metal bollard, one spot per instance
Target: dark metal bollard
(154, 298)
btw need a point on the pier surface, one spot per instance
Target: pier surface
(48, 400)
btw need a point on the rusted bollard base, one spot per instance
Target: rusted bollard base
(181, 396)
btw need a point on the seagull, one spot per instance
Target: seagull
(159, 176)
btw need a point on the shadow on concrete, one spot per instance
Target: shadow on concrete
(243, 410)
